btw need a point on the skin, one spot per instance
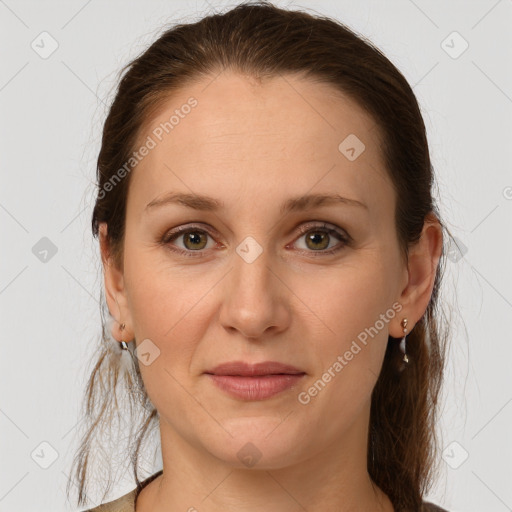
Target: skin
(253, 145)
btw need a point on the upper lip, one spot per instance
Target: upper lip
(244, 369)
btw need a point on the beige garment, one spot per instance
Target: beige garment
(126, 503)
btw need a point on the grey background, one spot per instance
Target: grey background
(51, 113)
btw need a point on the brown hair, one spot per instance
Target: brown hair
(259, 39)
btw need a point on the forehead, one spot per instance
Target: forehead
(281, 136)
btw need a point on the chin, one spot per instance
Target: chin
(262, 442)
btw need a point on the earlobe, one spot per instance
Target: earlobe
(115, 293)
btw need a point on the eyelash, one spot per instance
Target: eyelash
(183, 230)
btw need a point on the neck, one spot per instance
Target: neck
(334, 480)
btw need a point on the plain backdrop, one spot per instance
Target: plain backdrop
(53, 100)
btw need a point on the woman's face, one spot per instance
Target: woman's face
(246, 284)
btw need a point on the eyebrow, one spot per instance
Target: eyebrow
(294, 204)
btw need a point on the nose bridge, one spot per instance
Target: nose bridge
(253, 299)
(251, 268)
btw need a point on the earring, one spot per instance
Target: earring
(125, 363)
(403, 323)
(124, 345)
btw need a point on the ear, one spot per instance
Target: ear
(115, 292)
(422, 266)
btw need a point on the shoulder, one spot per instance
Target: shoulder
(125, 503)
(430, 507)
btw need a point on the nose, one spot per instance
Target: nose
(255, 300)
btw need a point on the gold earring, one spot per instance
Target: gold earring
(403, 323)
(124, 345)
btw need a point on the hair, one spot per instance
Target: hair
(258, 39)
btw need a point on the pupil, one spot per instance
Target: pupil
(313, 238)
(194, 238)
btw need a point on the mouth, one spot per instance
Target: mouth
(251, 382)
(243, 369)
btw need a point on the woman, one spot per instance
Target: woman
(273, 252)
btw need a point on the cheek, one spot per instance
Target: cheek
(350, 300)
(349, 344)
(167, 308)
(165, 303)
(355, 312)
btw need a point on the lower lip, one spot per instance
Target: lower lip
(255, 388)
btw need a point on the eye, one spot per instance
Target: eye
(317, 240)
(194, 240)
(318, 237)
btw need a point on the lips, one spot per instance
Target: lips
(259, 381)
(243, 369)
